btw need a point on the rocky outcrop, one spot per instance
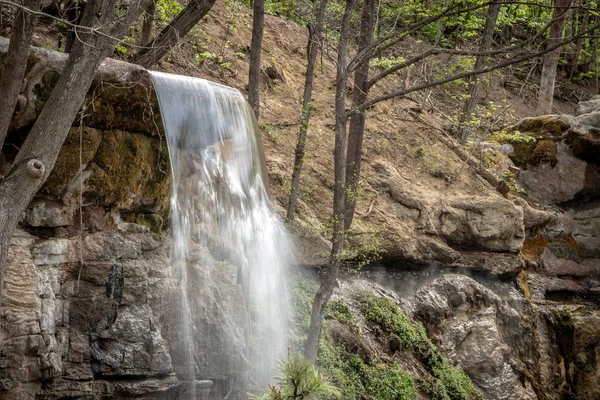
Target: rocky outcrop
(110, 326)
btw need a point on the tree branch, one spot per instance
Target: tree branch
(463, 75)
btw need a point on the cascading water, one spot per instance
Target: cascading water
(230, 250)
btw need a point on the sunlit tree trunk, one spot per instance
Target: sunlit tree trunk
(258, 24)
(357, 120)
(314, 44)
(329, 282)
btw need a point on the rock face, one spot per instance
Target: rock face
(511, 348)
(109, 327)
(468, 321)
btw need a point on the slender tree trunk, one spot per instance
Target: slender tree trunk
(314, 43)
(13, 72)
(74, 10)
(37, 155)
(173, 32)
(258, 25)
(330, 280)
(146, 37)
(548, 77)
(480, 61)
(357, 121)
(579, 44)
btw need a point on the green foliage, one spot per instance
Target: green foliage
(452, 381)
(389, 317)
(166, 10)
(300, 381)
(386, 382)
(358, 379)
(339, 310)
(514, 137)
(386, 62)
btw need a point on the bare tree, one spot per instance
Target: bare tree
(486, 44)
(146, 36)
(315, 31)
(173, 32)
(585, 18)
(356, 131)
(258, 25)
(101, 22)
(329, 282)
(547, 80)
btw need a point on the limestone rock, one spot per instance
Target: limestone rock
(47, 214)
(587, 231)
(466, 319)
(591, 119)
(585, 107)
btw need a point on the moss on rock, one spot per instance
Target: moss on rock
(545, 152)
(132, 109)
(133, 172)
(67, 166)
(545, 124)
(154, 222)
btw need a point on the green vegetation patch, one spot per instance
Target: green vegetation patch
(133, 172)
(67, 166)
(386, 314)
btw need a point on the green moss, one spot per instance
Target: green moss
(453, 381)
(154, 222)
(386, 314)
(544, 152)
(43, 90)
(132, 109)
(67, 167)
(545, 124)
(360, 380)
(340, 311)
(132, 168)
(372, 376)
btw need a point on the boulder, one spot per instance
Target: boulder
(591, 119)
(585, 107)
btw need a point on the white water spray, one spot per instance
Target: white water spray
(230, 250)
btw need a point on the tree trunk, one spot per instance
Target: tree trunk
(73, 13)
(480, 61)
(314, 43)
(548, 77)
(37, 155)
(579, 44)
(173, 32)
(149, 11)
(357, 120)
(330, 281)
(13, 72)
(258, 24)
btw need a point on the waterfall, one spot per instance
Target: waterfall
(230, 250)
